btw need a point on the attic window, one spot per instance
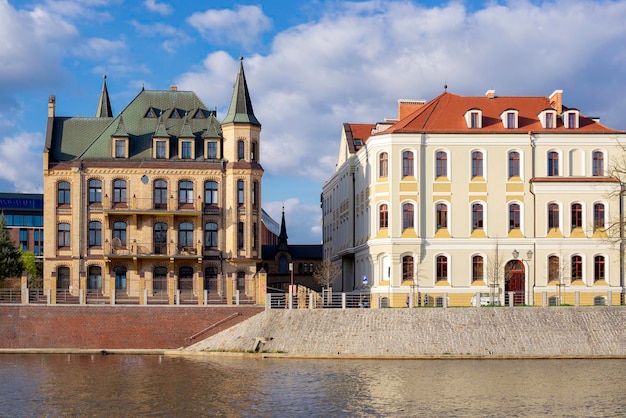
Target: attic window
(509, 118)
(199, 114)
(358, 143)
(548, 118)
(151, 113)
(474, 118)
(571, 119)
(176, 114)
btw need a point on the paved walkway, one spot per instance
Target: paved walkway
(397, 333)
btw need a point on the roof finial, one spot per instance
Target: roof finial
(445, 85)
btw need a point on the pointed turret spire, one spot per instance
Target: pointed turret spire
(161, 130)
(104, 105)
(214, 129)
(185, 131)
(121, 129)
(240, 109)
(282, 238)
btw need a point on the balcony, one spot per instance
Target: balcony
(136, 205)
(133, 249)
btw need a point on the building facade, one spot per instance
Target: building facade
(158, 199)
(463, 197)
(24, 216)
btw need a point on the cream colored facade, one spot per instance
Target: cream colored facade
(160, 199)
(507, 201)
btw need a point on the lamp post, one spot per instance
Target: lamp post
(529, 257)
(291, 292)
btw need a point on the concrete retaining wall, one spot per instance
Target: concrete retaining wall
(489, 332)
(111, 327)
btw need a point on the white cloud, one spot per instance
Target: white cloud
(161, 8)
(172, 39)
(99, 48)
(21, 161)
(243, 24)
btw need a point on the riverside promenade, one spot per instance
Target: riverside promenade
(555, 332)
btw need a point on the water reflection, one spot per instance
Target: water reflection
(55, 385)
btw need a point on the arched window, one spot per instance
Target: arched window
(63, 193)
(408, 215)
(514, 164)
(477, 164)
(553, 216)
(407, 268)
(577, 267)
(119, 232)
(598, 216)
(63, 278)
(95, 191)
(441, 164)
(95, 234)
(185, 192)
(210, 193)
(160, 194)
(577, 215)
(514, 216)
(553, 163)
(477, 216)
(598, 268)
(119, 191)
(94, 280)
(63, 235)
(442, 215)
(210, 235)
(185, 235)
(407, 163)
(382, 216)
(442, 268)
(160, 238)
(554, 268)
(598, 163)
(283, 265)
(383, 161)
(477, 268)
(159, 279)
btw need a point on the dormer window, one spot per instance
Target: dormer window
(509, 118)
(161, 148)
(151, 113)
(211, 148)
(571, 119)
(120, 148)
(176, 114)
(185, 150)
(474, 118)
(548, 118)
(199, 114)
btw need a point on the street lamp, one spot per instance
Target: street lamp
(529, 257)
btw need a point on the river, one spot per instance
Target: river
(160, 386)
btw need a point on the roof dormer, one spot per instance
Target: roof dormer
(120, 141)
(474, 118)
(510, 118)
(547, 117)
(571, 119)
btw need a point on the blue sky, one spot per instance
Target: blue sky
(310, 65)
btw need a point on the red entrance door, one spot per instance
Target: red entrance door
(514, 282)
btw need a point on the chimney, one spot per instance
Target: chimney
(491, 94)
(406, 107)
(173, 88)
(51, 105)
(556, 101)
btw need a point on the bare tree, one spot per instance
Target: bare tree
(326, 273)
(495, 272)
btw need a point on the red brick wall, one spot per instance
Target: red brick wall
(119, 327)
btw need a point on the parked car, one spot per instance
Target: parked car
(486, 299)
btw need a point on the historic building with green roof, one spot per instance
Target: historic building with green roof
(158, 204)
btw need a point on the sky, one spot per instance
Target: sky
(311, 65)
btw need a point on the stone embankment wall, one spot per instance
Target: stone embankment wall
(472, 332)
(112, 327)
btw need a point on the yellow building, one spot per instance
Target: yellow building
(157, 203)
(472, 200)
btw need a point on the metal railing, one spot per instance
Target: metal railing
(10, 295)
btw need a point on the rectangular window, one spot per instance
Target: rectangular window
(211, 150)
(160, 149)
(120, 148)
(571, 120)
(185, 150)
(24, 239)
(240, 242)
(240, 193)
(474, 122)
(553, 163)
(549, 120)
(510, 120)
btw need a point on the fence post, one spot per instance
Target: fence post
(177, 302)
(206, 296)
(310, 300)
(237, 297)
(343, 301)
(577, 298)
(609, 298)
(290, 299)
(81, 296)
(113, 296)
(268, 301)
(49, 296)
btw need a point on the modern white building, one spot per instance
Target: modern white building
(513, 197)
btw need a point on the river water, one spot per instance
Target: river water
(160, 386)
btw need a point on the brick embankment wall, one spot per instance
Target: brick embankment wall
(112, 327)
(471, 332)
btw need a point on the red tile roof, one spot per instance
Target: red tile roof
(445, 114)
